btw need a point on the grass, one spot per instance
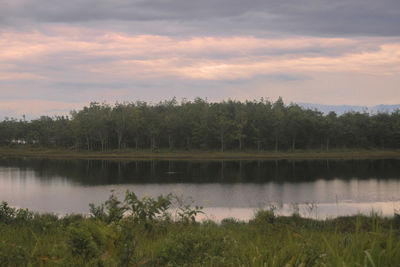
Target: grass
(25, 151)
(28, 239)
(285, 241)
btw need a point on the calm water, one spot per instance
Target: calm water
(318, 188)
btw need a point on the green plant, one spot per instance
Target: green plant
(198, 246)
(263, 216)
(7, 213)
(97, 212)
(114, 210)
(185, 211)
(147, 208)
(87, 238)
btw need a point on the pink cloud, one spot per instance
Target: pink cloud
(149, 56)
(38, 107)
(91, 60)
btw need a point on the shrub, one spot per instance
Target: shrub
(148, 208)
(13, 254)
(87, 239)
(7, 213)
(81, 242)
(186, 212)
(263, 216)
(114, 210)
(198, 247)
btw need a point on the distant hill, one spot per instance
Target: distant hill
(340, 109)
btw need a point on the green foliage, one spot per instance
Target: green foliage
(263, 216)
(114, 210)
(201, 246)
(81, 242)
(145, 210)
(9, 214)
(199, 124)
(267, 240)
(97, 212)
(185, 211)
(126, 242)
(13, 254)
(148, 208)
(87, 241)
(396, 221)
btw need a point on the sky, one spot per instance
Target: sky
(57, 55)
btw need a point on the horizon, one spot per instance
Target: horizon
(325, 109)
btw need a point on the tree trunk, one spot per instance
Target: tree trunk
(77, 144)
(102, 141)
(321, 145)
(170, 141)
(222, 143)
(188, 143)
(88, 143)
(276, 143)
(240, 143)
(293, 144)
(102, 144)
(119, 141)
(327, 144)
(153, 143)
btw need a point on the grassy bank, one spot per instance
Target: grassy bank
(195, 154)
(141, 239)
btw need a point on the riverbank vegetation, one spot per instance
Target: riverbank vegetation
(149, 236)
(195, 154)
(203, 126)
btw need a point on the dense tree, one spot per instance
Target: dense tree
(198, 124)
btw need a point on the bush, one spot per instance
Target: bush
(148, 208)
(186, 213)
(7, 213)
(13, 254)
(87, 239)
(200, 247)
(263, 216)
(115, 210)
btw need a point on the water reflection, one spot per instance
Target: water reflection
(100, 172)
(231, 188)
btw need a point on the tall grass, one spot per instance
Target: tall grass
(154, 239)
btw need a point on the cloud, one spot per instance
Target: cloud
(76, 65)
(115, 59)
(34, 108)
(57, 52)
(213, 17)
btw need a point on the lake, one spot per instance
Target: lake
(315, 188)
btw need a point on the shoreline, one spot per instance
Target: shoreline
(198, 154)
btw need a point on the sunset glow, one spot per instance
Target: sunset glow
(65, 55)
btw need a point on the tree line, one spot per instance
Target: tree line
(199, 124)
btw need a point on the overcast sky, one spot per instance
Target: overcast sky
(58, 55)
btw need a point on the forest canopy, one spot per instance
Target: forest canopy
(199, 124)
